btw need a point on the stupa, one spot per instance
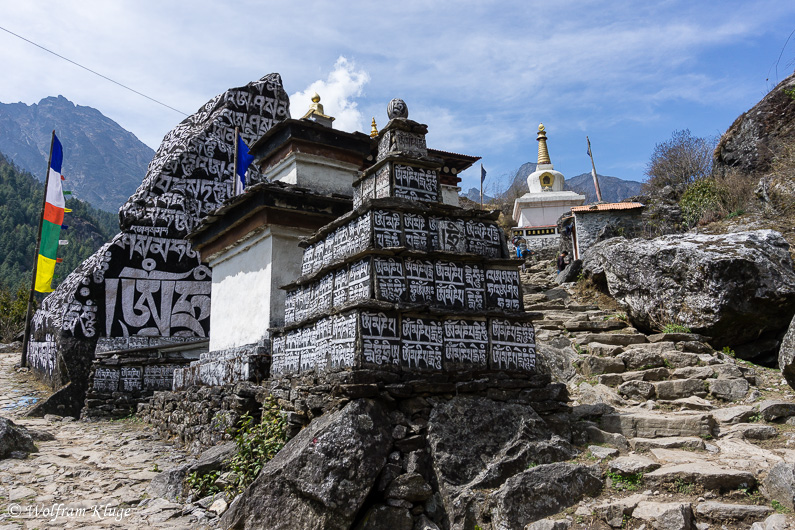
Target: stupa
(536, 213)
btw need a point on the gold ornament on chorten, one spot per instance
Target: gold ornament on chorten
(543, 153)
(373, 129)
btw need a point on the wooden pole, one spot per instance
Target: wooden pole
(26, 338)
(593, 173)
(481, 186)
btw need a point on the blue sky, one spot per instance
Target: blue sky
(482, 75)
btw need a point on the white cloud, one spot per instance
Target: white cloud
(337, 94)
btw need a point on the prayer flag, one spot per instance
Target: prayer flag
(54, 208)
(482, 174)
(242, 163)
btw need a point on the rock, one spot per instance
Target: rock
(615, 339)
(599, 394)
(678, 359)
(212, 459)
(641, 359)
(169, 485)
(771, 410)
(731, 286)
(570, 273)
(669, 442)
(549, 524)
(729, 389)
(596, 435)
(411, 487)
(738, 414)
(477, 444)
(542, 491)
(654, 425)
(423, 523)
(727, 513)
(322, 476)
(679, 388)
(218, 506)
(708, 476)
(779, 485)
(603, 452)
(632, 465)
(613, 513)
(693, 403)
(675, 337)
(556, 357)
(774, 522)
(593, 365)
(753, 431)
(14, 438)
(693, 372)
(604, 350)
(639, 390)
(381, 516)
(786, 355)
(754, 141)
(665, 515)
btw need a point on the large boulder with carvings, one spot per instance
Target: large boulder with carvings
(734, 288)
(147, 287)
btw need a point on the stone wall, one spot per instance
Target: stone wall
(202, 416)
(593, 227)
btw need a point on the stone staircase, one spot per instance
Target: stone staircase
(687, 437)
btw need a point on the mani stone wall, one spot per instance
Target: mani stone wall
(148, 281)
(405, 282)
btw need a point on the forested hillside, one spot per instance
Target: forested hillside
(20, 209)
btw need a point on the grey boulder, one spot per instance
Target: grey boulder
(786, 355)
(320, 479)
(14, 438)
(733, 287)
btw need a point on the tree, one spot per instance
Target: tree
(679, 162)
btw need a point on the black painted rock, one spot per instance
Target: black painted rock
(320, 479)
(14, 438)
(731, 287)
(542, 491)
(786, 355)
(477, 444)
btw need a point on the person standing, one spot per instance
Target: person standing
(563, 260)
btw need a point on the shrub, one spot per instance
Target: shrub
(702, 203)
(257, 444)
(675, 328)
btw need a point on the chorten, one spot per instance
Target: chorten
(536, 213)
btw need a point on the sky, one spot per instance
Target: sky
(482, 75)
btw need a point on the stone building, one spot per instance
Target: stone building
(536, 213)
(592, 223)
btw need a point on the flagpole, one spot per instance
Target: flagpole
(26, 338)
(481, 186)
(593, 172)
(234, 165)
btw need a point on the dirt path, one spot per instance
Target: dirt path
(85, 475)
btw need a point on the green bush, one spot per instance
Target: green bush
(701, 202)
(675, 328)
(257, 443)
(203, 485)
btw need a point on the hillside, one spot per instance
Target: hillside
(20, 208)
(103, 162)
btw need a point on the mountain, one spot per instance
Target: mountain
(20, 209)
(613, 189)
(474, 195)
(103, 163)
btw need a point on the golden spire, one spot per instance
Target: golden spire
(316, 104)
(373, 129)
(543, 154)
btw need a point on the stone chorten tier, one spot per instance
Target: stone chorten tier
(536, 213)
(404, 281)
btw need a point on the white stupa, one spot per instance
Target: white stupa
(536, 213)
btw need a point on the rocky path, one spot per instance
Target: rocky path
(84, 475)
(687, 437)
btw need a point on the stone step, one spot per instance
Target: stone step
(708, 476)
(730, 513)
(677, 337)
(616, 339)
(668, 442)
(656, 425)
(594, 325)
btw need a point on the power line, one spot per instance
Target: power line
(93, 72)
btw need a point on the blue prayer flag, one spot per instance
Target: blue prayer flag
(244, 160)
(482, 174)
